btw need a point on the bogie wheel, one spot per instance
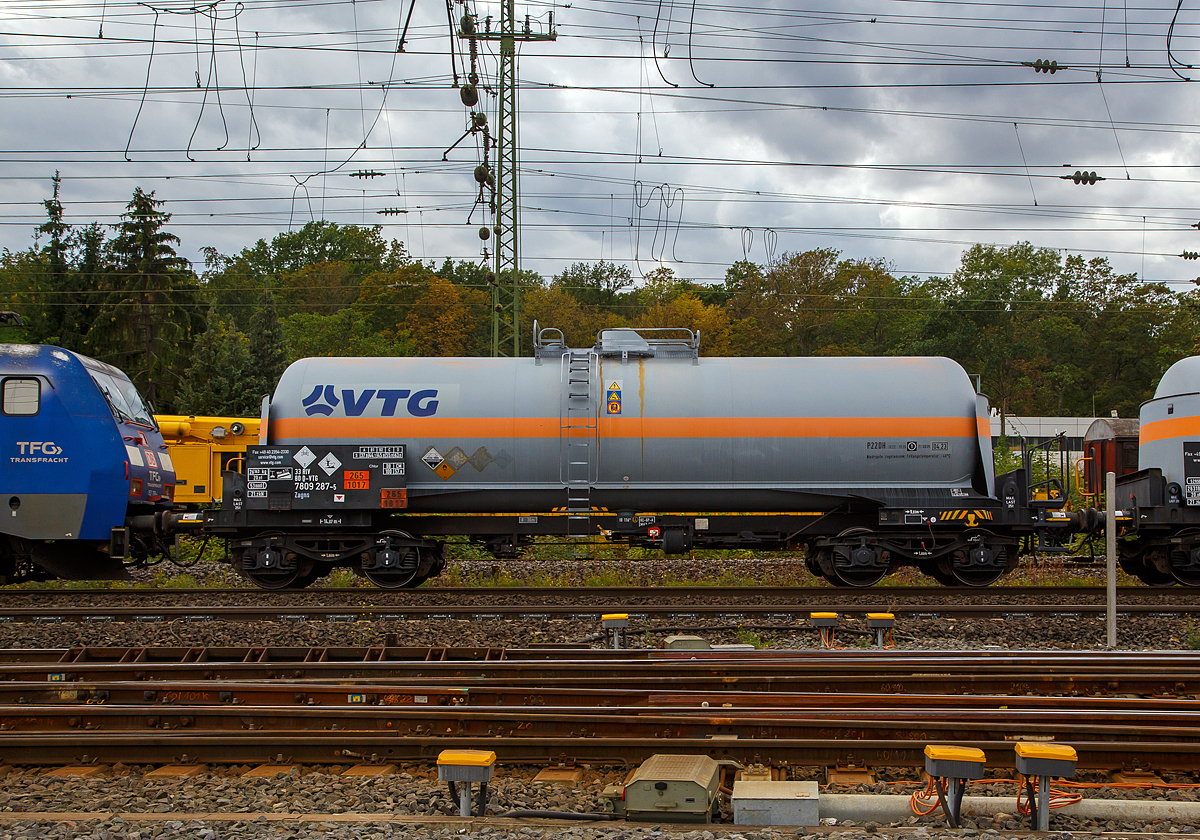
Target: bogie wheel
(308, 573)
(279, 570)
(1148, 574)
(281, 578)
(935, 571)
(991, 562)
(399, 570)
(958, 573)
(858, 578)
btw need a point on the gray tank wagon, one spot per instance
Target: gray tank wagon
(867, 463)
(1161, 500)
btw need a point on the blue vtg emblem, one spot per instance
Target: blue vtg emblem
(325, 399)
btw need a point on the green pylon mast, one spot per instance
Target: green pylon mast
(506, 297)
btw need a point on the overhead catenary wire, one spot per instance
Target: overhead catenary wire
(361, 40)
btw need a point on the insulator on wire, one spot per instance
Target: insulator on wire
(366, 173)
(1191, 255)
(390, 211)
(1043, 66)
(1083, 177)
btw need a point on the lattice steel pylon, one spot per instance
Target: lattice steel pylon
(506, 293)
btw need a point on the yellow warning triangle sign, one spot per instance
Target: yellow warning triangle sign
(614, 387)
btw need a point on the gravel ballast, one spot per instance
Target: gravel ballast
(315, 802)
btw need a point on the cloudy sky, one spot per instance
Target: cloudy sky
(676, 133)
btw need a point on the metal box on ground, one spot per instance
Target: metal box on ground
(775, 803)
(686, 643)
(673, 788)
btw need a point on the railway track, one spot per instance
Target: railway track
(632, 594)
(760, 605)
(535, 706)
(762, 615)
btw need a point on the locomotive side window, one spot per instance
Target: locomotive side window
(22, 397)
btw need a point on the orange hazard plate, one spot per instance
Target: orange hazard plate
(393, 498)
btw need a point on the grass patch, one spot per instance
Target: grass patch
(749, 637)
(1192, 636)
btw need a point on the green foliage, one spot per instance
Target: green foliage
(342, 579)
(1192, 636)
(268, 351)
(1047, 335)
(749, 637)
(148, 319)
(222, 365)
(343, 333)
(596, 284)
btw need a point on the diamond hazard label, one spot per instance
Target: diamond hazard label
(304, 457)
(445, 470)
(432, 458)
(329, 464)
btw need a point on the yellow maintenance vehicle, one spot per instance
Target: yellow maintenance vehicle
(201, 448)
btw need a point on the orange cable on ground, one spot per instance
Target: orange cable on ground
(1059, 798)
(925, 802)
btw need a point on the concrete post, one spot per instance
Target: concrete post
(1110, 535)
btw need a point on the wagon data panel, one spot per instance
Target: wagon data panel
(323, 477)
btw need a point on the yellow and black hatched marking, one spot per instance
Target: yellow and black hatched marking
(970, 517)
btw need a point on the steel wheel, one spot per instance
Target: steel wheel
(402, 572)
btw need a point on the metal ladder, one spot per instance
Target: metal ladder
(577, 433)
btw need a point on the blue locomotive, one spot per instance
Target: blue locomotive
(87, 479)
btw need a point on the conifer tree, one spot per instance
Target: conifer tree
(148, 318)
(222, 364)
(268, 350)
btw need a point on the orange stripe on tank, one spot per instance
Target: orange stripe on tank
(627, 427)
(1172, 427)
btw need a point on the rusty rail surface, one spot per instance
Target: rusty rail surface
(774, 615)
(1167, 673)
(598, 706)
(584, 594)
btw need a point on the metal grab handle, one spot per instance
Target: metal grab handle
(1078, 483)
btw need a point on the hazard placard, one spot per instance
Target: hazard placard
(612, 397)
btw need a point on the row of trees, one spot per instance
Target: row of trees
(1047, 335)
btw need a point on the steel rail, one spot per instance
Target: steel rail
(876, 722)
(688, 614)
(872, 671)
(607, 593)
(184, 746)
(285, 693)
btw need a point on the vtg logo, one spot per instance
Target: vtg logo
(324, 399)
(47, 447)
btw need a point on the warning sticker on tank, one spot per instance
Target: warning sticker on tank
(612, 397)
(329, 464)
(304, 457)
(432, 458)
